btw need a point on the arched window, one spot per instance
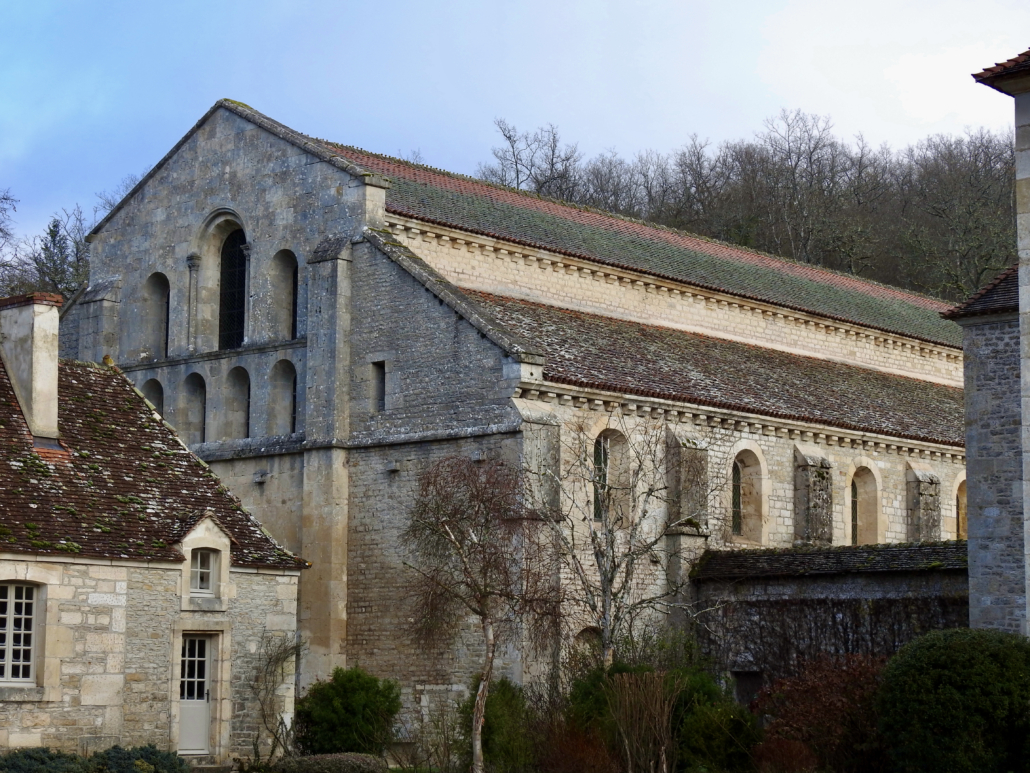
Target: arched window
(232, 291)
(194, 414)
(283, 300)
(237, 405)
(961, 523)
(282, 399)
(865, 508)
(611, 479)
(746, 482)
(155, 393)
(155, 312)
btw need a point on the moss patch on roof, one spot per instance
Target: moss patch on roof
(806, 561)
(122, 486)
(467, 204)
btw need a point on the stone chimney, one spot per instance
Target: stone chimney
(28, 346)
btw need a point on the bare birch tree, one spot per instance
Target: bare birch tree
(627, 499)
(477, 550)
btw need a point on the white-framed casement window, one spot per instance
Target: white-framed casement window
(203, 572)
(19, 604)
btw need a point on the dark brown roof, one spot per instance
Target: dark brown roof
(121, 486)
(801, 562)
(435, 196)
(592, 351)
(1001, 296)
(991, 75)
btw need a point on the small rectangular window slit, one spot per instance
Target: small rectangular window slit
(379, 386)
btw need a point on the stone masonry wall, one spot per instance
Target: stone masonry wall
(997, 560)
(481, 263)
(111, 672)
(771, 626)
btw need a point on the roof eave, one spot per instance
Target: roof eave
(1010, 83)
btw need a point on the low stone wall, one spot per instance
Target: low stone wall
(768, 612)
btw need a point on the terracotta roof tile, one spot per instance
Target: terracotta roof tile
(1001, 296)
(120, 484)
(435, 196)
(592, 351)
(801, 562)
(1016, 64)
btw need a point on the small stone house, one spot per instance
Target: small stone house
(136, 594)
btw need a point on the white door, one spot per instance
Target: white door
(195, 695)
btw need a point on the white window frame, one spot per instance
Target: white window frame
(207, 535)
(8, 632)
(198, 573)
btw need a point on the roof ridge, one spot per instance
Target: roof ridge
(533, 196)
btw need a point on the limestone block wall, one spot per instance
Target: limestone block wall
(997, 553)
(481, 263)
(229, 168)
(109, 655)
(777, 447)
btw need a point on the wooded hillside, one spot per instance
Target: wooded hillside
(936, 217)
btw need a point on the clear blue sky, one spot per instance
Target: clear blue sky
(90, 91)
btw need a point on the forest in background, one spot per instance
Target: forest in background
(937, 217)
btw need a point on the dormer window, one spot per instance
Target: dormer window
(203, 572)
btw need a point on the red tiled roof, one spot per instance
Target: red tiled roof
(1016, 64)
(1001, 296)
(435, 196)
(596, 352)
(120, 486)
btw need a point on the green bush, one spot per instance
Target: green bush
(352, 712)
(957, 701)
(42, 761)
(507, 731)
(717, 736)
(138, 759)
(333, 763)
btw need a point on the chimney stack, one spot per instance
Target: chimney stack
(28, 346)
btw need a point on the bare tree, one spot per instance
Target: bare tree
(536, 161)
(627, 500)
(476, 549)
(8, 204)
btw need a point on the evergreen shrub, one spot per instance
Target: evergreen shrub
(333, 763)
(351, 712)
(508, 726)
(958, 701)
(137, 759)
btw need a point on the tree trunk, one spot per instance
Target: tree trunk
(479, 709)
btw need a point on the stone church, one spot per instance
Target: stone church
(320, 323)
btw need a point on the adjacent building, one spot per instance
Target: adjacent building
(136, 594)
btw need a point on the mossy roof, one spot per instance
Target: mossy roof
(120, 486)
(438, 197)
(598, 352)
(809, 561)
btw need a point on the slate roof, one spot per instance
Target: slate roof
(1017, 64)
(1001, 296)
(803, 562)
(593, 351)
(122, 486)
(444, 198)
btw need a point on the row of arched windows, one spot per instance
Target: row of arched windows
(281, 304)
(746, 496)
(234, 414)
